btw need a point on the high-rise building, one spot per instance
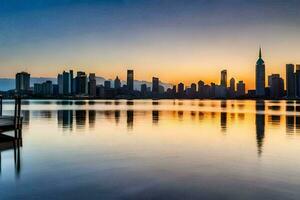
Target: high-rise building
(193, 88)
(66, 83)
(43, 89)
(297, 80)
(143, 89)
(107, 84)
(200, 88)
(276, 85)
(117, 83)
(22, 82)
(232, 84)
(290, 81)
(60, 83)
(155, 84)
(180, 88)
(212, 92)
(130, 80)
(161, 89)
(81, 83)
(224, 78)
(240, 89)
(174, 89)
(260, 76)
(72, 81)
(92, 85)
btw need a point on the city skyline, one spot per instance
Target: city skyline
(152, 38)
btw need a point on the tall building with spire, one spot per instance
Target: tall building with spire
(260, 76)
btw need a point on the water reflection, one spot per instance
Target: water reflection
(65, 119)
(129, 119)
(260, 125)
(223, 121)
(15, 146)
(80, 116)
(155, 116)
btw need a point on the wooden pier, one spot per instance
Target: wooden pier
(11, 124)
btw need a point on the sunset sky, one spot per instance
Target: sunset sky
(175, 40)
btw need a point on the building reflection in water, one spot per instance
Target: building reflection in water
(260, 125)
(290, 117)
(180, 115)
(65, 119)
(193, 115)
(80, 118)
(117, 116)
(92, 118)
(155, 117)
(223, 120)
(297, 116)
(130, 117)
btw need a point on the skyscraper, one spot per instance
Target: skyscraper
(290, 81)
(130, 78)
(180, 88)
(224, 78)
(22, 82)
(276, 85)
(143, 89)
(92, 85)
(240, 89)
(260, 76)
(232, 84)
(232, 88)
(81, 83)
(66, 83)
(72, 81)
(117, 83)
(107, 84)
(298, 81)
(155, 84)
(60, 83)
(200, 88)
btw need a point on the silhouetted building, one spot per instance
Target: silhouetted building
(232, 88)
(180, 89)
(43, 89)
(297, 80)
(72, 82)
(219, 91)
(290, 81)
(174, 89)
(66, 83)
(200, 88)
(161, 89)
(60, 83)
(193, 90)
(22, 82)
(117, 83)
(130, 80)
(260, 76)
(92, 85)
(155, 85)
(81, 84)
(276, 85)
(224, 78)
(212, 92)
(144, 89)
(107, 85)
(240, 89)
(232, 84)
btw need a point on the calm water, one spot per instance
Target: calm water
(155, 150)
